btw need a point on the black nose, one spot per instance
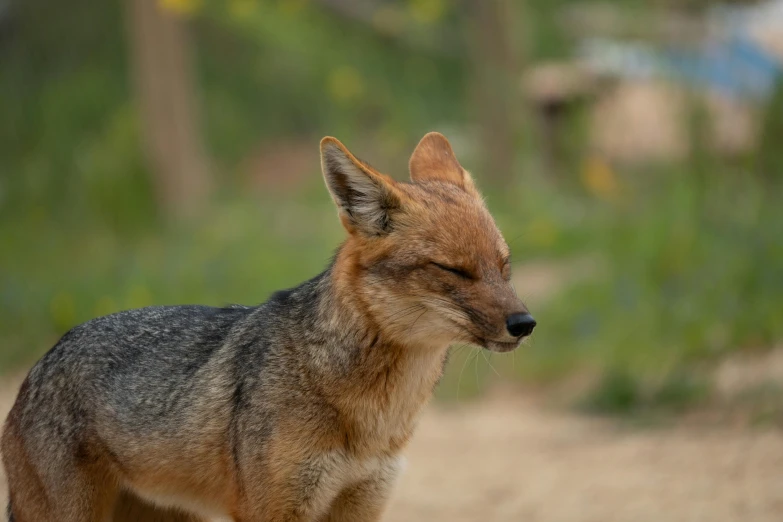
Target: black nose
(520, 324)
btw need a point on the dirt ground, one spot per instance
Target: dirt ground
(509, 458)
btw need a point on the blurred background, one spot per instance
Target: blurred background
(166, 152)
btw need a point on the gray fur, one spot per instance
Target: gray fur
(147, 375)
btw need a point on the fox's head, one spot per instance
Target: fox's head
(425, 259)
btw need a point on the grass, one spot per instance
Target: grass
(619, 393)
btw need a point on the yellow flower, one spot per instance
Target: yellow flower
(345, 84)
(427, 11)
(599, 178)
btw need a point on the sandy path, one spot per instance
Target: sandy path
(508, 459)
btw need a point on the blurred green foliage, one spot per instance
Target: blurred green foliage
(690, 255)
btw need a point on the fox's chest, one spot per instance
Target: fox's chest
(385, 415)
(385, 432)
(338, 473)
(346, 471)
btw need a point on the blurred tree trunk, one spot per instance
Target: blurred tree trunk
(166, 101)
(496, 78)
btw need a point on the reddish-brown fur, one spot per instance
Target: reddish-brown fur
(424, 266)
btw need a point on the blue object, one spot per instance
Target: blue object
(737, 67)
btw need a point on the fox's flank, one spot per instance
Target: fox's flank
(296, 410)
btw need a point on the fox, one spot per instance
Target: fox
(295, 410)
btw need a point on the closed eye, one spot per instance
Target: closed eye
(457, 271)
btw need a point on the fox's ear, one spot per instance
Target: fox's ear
(434, 160)
(366, 199)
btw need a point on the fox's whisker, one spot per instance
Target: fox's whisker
(410, 330)
(475, 369)
(489, 363)
(464, 364)
(403, 312)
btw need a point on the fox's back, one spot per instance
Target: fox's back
(141, 370)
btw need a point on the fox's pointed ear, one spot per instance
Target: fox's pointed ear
(366, 199)
(434, 160)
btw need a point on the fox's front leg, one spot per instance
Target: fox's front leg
(294, 487)
(366, 501)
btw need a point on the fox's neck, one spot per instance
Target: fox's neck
(363, 361)
(349, 313)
